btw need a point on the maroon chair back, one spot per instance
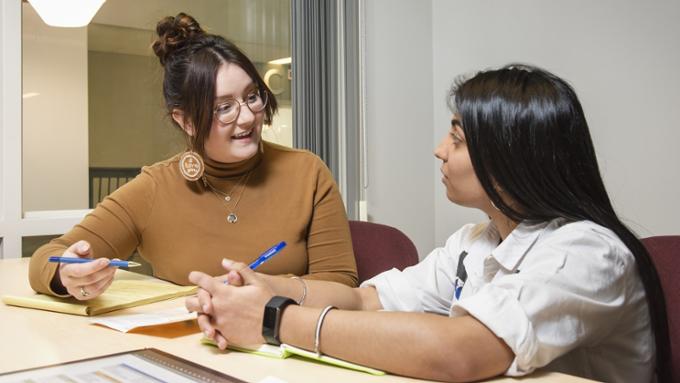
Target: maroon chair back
(380, 247)
(665, 253)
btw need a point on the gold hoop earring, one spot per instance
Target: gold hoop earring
(191, 165)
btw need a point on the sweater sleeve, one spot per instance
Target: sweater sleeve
(329, 244)
(113, 230)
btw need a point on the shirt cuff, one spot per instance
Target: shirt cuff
(500, 312)
(395, 291)
(51, 269)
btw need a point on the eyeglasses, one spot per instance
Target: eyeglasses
(228, 111)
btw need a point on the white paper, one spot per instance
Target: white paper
(125, 323)
(272, 379)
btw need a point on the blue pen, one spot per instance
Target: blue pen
(88, 260)
(272, 251)
(267, 254)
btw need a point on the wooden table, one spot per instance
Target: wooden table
(31, 338)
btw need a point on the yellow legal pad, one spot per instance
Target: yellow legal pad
(285, 350)
(120, 295)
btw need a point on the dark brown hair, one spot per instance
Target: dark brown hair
(191, 59)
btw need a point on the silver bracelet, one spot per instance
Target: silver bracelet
(319, 322)
(304, 289)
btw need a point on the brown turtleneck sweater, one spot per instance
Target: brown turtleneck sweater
(180, 226)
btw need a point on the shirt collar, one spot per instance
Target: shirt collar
(511, 251)
(484, 243)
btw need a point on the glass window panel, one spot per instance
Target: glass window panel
(30, 244)
(93, 112)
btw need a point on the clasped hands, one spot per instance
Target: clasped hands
(231, 311)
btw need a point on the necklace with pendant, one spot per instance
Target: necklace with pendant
(226, 197)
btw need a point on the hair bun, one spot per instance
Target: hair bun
(173, 32)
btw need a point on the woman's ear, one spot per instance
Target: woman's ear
(178, 116)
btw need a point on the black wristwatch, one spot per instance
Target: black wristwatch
(271, 322)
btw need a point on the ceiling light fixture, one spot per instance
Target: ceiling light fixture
(66, 13)
(281, 61)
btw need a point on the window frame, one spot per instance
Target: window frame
(14, 223)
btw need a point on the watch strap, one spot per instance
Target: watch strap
(271, 321)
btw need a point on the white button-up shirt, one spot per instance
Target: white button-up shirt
(564, 296)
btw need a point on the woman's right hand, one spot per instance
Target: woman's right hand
(202, 305)
(85, 281)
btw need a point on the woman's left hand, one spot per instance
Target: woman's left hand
(235, 312)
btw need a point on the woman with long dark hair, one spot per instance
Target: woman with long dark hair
(552, 281)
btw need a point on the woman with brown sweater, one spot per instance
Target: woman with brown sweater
(229, 195)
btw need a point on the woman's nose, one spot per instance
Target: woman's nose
(246, 116)
(440, 150)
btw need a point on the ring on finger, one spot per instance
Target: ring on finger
(83, 292)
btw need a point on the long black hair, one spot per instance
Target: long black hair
(527, 135)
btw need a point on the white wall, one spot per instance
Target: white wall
(398, 60)
(621, 56)
(54, 120)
